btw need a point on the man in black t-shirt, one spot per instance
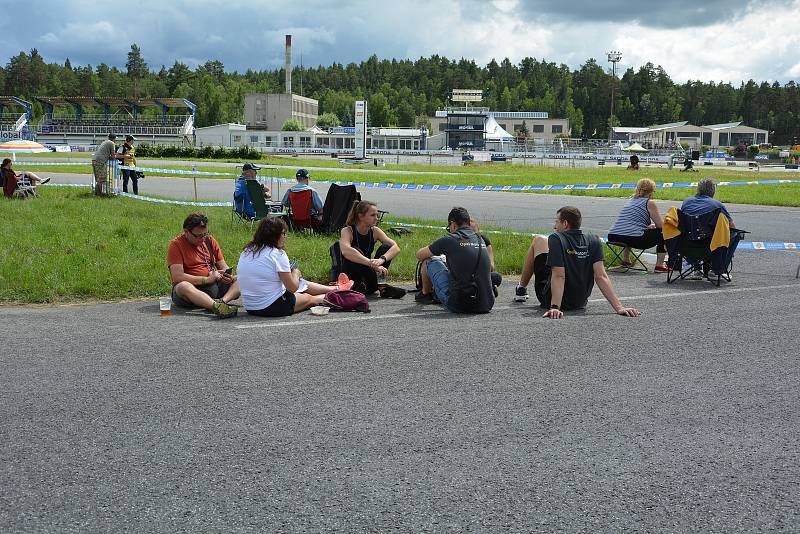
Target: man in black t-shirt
(462, 284)
(565, 266)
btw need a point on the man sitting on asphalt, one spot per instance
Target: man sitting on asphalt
(302, 185)
(565, 266)
(242, 203)
(463, 284)
(200, 276)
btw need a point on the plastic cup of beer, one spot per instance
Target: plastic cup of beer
(165, 306)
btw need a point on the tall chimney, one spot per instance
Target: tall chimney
(288, 64)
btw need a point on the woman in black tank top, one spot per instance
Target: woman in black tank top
(357, 241)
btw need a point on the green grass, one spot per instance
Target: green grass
(772, 195)
(69, 245)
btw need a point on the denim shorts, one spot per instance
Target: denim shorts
(440, 278)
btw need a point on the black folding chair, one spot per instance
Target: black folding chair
(338, 201)
(690, 252)
(615, 248)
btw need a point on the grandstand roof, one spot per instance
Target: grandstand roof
(12, 101)
(668, 125)
(117, 101)
(723, 126)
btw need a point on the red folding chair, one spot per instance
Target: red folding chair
(300, 217)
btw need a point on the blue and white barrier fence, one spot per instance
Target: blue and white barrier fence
(442, 187)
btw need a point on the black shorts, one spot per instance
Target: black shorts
(282, 307)
(214, 290)
(541, 279)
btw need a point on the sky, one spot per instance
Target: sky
(708, 40)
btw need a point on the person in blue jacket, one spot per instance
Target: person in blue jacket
(242, 203)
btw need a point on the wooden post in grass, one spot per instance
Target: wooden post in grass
(194, 180)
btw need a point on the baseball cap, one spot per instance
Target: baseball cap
(130, 138)
(250, 167)
(302, 174)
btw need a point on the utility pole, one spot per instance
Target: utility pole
(613, 57)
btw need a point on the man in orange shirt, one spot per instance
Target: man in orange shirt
(200, 276)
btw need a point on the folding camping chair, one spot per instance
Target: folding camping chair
(300, 217)
(691, 252)
(338, 201)
(25, 188)
(615, 248)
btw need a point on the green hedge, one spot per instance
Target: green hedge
(206, 152)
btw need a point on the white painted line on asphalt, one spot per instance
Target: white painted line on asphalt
(427, 311)
(715, 291)
(349, 316)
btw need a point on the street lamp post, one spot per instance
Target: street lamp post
(613, 57)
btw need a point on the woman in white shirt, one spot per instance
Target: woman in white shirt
(270, 286)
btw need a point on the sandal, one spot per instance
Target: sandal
(344, 282)
(628, 264)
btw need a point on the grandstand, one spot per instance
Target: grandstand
(15, 125)
(85, 126)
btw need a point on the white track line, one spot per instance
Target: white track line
(356, 316)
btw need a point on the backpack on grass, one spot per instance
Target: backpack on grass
(346, 300)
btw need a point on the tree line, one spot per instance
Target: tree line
(405, 92)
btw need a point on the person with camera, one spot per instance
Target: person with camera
(127, 152)
(461, 281)
(200, 276)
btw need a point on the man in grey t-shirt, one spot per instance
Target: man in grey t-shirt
(565, 266)
(104, 153)
(463, 283)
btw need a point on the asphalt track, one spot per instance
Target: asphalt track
(408, 419)
(114, 419)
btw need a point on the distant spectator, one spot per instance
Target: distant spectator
(105, 153)
(243, 204)
(634, 165)
(11, 179)
(302, 177)
(128, 153)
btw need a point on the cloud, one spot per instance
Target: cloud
(733, 51)
(712, 40)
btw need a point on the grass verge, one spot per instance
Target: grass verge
(769, 195)
(69, 245)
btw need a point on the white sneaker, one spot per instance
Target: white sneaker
(521, 294)
(696, 275)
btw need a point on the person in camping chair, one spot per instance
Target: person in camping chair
(241, 196)
(302, 177)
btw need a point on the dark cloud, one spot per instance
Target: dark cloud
(660, 14)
